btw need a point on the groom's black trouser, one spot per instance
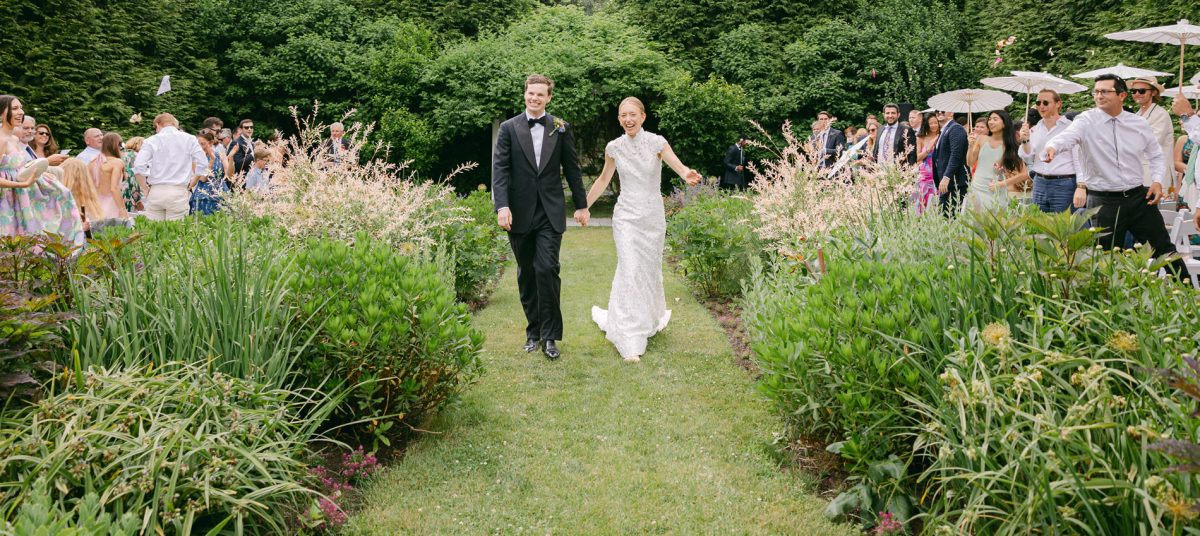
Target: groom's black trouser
(536, 251)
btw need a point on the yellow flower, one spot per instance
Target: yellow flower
(1123, 341)
(997, 335)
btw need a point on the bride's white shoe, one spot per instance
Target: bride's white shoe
(633, 359)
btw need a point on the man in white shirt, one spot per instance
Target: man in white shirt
(1053, 182)
(1113, 143)
(167, 168)
(92, 138)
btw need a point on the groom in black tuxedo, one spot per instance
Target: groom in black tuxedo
(528, 194)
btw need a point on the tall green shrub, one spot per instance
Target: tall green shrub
(712, 237)
(387, 328)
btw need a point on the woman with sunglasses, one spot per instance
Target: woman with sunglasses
(43, 143)
(1146, 92)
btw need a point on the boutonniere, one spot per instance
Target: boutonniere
(559, 126)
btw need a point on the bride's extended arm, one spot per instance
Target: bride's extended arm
(601, 181)
(689, 175)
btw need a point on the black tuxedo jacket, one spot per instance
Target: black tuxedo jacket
(519, 184)
(905, 141)
(835, 143)
(950, 156)
(734, 158)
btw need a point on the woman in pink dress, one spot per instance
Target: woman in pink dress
(927, 138)
(36, 203)
(109, 178)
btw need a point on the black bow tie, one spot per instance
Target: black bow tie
(539, 121)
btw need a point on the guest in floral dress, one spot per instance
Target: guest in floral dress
(131, 193)
(206, 197)
(40, 205)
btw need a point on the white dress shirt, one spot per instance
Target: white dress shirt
(887, 143)
(88, 154)
(171, 158)
(1112, 149)
(1067, 163)
(536, 131)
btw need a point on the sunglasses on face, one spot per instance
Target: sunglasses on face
(43, 133)
(1139, 90)
(1044, 103)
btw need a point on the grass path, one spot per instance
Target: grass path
(679, 444)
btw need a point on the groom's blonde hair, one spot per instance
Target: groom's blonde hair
(540, 79)
(636, 102)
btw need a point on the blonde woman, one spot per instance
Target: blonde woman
(75, 178)
(636, 304)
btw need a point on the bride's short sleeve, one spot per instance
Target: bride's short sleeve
(659, 143)
(610, 150)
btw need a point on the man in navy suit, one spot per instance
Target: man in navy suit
(950, 163)
(829, 141)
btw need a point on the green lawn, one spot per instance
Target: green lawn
(678, 444)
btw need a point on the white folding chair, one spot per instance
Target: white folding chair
(1184, 229)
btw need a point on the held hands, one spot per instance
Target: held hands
(582, 216)
(504, 219)
(693, 177)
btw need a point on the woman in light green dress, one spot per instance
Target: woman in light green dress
(1000, 174)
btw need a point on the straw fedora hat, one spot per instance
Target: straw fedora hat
(1148, 80)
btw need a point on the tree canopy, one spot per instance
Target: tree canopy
(435, 75)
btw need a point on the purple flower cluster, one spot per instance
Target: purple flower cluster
(888, 525)
(336, 479)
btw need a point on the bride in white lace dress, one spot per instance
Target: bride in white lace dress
(637, 306)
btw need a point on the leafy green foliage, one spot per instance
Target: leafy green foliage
(700, 119)
(39, 515)
(387, 329)
(712, 238)
(82, 63)
(200, 290)
(1008, 372)
(181, 448)
(479, 248)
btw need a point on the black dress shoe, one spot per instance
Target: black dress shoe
(532, 344)
(551, 350)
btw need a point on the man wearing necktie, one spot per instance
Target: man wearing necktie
(895, 140)
(1113, 144)
(829, 141)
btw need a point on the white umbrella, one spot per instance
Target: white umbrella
(969, 101)
(1189, 92)
(1121, 70)
(1032, 83)
(1196, 79)
(1181, 33)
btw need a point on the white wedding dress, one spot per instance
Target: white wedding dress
(637, 306)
